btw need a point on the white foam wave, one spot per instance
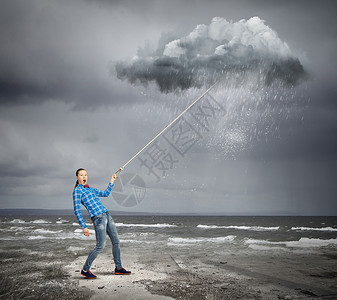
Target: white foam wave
(61, 221)
(37, 237)
(45, 234)
(26, 228)
(17, 221)
(163, 225)
(139, 235)
(253, 228)
(314, 228)
(307, 242)
(61, 236)
(18, 228)
(137, 241)
(76, 224)
(301, 243)
(189, 241)
(45, 231)
(267, 247)
(41, 221)
(14, 228)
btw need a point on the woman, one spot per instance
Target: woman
(101, 219)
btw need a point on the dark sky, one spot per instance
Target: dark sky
(272, 150)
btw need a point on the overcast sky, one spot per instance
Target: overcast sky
(269, 149)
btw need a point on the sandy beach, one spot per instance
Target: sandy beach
(187, 275)
(110, 286)
(171, 275)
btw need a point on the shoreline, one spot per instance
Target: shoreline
(17, 212)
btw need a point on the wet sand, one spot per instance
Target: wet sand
(182, 274)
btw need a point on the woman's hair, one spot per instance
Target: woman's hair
(80, 169)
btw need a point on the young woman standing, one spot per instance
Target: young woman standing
(101, 219)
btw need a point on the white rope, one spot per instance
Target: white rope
(161, 132)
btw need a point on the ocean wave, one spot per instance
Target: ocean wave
(140, 234)
(301, 243)
(37, 237)
(14, 228)
(20, 228)
(8, 238)
(45, 231)
(40, 221)
(159, 225)
(184, 241)
(307, 242)
(267, 247)
(62, 236)
(137, 241)
(314, 228)
(61, 221)
(17, 221)
(253, 228)
(76, 224)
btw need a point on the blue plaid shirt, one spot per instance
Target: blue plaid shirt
(89, 198)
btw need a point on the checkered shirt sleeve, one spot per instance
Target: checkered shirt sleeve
(89, 198)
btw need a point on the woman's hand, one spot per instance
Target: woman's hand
(113, 178)
(86, 231)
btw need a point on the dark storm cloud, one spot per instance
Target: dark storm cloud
(222, 50)
(56, 50)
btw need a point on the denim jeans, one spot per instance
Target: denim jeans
(104, 224)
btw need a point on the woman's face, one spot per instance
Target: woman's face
(82, 177)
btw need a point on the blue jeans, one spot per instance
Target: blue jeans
(104, 224)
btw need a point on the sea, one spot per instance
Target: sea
(222, 233)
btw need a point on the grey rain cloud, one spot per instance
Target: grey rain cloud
(230, 51)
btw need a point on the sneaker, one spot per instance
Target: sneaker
(88, 275)
(122, 271)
